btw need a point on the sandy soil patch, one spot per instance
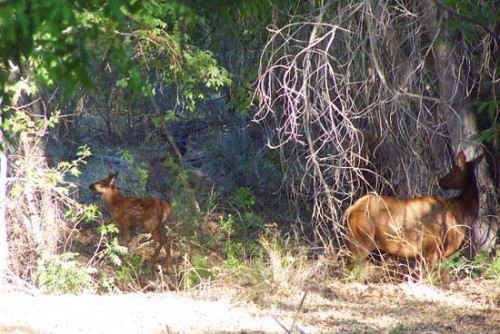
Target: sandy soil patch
(469, 306)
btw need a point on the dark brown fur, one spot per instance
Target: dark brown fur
(430, 227)
(148, 213)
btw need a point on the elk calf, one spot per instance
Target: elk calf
(430, 227)
(148, 213)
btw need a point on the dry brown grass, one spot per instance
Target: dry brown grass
(469, 306)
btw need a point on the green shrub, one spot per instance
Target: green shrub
(482, 265)
(490, 267)
(237, 161)
(358, 269)
(63, 274)
(132, 270)
(243, 199)
(112, 251)
(129, 267)
(198, 271)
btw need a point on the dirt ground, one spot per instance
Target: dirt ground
(469, 306)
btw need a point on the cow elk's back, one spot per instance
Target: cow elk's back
(430, 227)
(127, 212)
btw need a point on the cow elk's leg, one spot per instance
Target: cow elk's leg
(359, 242)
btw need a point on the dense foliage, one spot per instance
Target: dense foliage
(260, 121)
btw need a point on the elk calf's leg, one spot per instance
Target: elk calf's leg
(167, 246)
(124, 236)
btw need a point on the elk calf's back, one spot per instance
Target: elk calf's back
(431, 227)
(126, 212)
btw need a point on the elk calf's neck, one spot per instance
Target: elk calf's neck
(127, 212)
(430, 227)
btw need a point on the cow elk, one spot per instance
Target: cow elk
(127, 212)
(429, 228)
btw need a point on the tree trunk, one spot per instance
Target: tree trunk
(4, 249)
(461, 123)
(168, 134)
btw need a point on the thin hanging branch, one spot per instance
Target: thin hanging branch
(354, 106)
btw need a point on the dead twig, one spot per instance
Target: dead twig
(294, 323)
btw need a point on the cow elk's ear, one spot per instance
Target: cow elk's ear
(461, 160)
(479, 159)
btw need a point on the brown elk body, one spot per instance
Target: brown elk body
(430, 227)
(127, 212)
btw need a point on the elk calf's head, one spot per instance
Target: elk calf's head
(105, 185)
(127, 212)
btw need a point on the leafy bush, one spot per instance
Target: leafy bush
(63, 274)
(112, 251)
(42, 205)
(492, 269)
(241, 162)
(357, 270)
(132, 270)
(129, 266)
(244, 198)
(481, 266)
(198, 270)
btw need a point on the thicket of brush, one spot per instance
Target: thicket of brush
(259, 149)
